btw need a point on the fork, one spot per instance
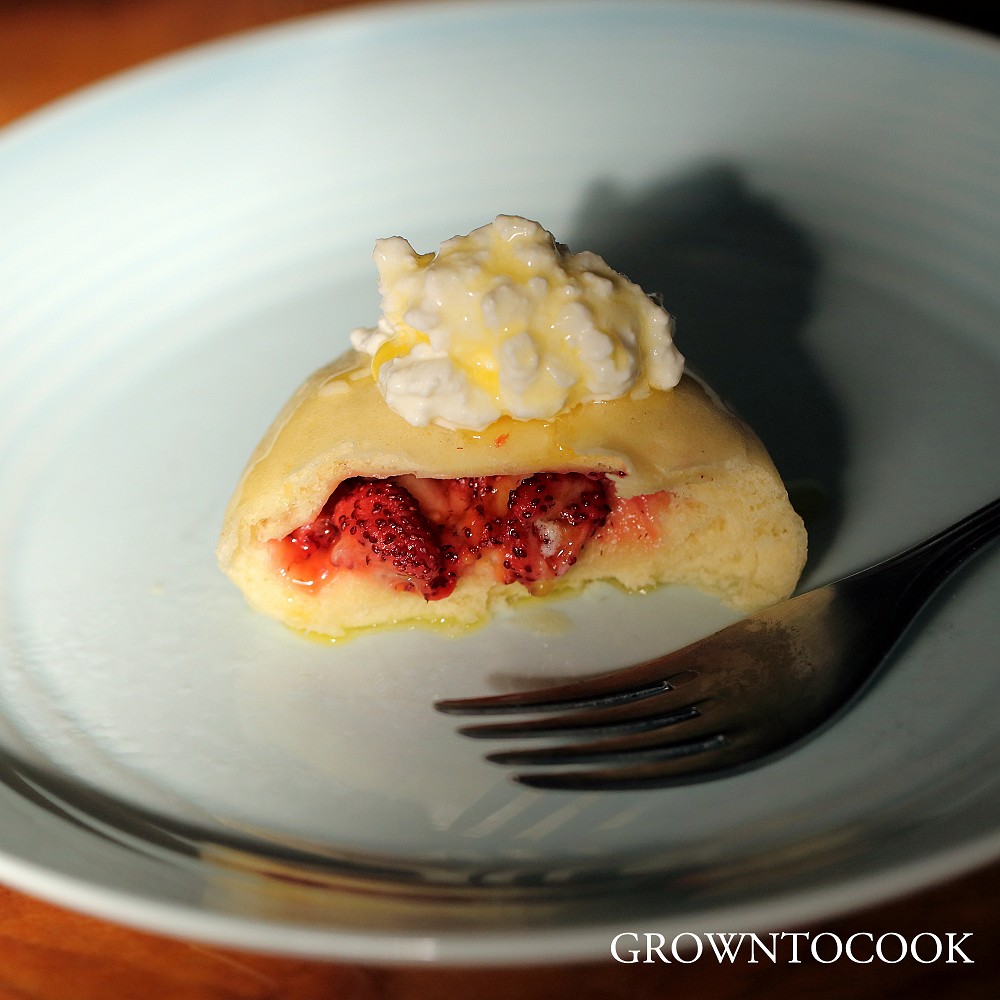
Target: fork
(734, 700)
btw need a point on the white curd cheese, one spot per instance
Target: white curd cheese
(505, 321)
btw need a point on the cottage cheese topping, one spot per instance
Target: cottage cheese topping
(505, 321)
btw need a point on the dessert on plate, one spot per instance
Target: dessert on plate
(518, 423)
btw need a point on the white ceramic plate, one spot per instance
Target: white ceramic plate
(815, 192)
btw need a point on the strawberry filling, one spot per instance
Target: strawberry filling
(421, 535)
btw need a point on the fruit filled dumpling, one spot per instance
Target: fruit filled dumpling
(517, 423)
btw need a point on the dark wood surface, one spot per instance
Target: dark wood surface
(51, 47)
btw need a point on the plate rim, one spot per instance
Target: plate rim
(556, 944)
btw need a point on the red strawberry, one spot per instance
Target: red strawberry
(551, 517)
(303, 555)
(313, 537)
(480, 508)
(468, 513)
(440, 500)
(382, 526)
(423, 534)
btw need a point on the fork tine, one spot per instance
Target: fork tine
(672, 773)
(614, 751)
(659, 765)
(550, 699)
(632, 717)
(602, 690)
(669, 765)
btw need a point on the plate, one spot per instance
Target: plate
(813, 189)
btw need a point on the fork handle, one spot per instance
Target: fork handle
(946, 551)
(922, 569)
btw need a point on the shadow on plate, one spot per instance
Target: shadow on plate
(740, 278)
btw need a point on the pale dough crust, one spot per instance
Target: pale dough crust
(728, 529)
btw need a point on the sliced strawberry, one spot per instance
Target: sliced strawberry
(440, 500)
(382, 526)
(468, 512)
(476, 527)
(423, 534)
(303, 555)
(313, 537)
(551, 517)
(521, 554)
(638, 519)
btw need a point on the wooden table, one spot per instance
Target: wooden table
(50, 47)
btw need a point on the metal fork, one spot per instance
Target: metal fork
(735, 699)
